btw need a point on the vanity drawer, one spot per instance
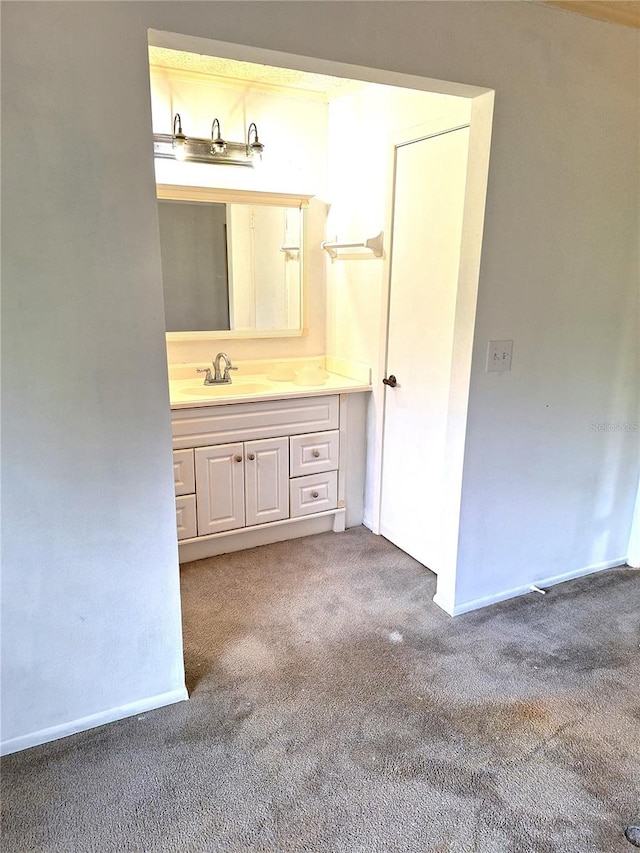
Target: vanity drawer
(183, 472)
(314, 453)
(186, 516)
(313, 493)
(210, 425)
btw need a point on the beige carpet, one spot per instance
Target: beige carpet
(335, 708)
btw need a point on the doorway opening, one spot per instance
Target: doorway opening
(338, 134)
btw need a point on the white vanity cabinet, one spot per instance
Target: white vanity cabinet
(250, 473)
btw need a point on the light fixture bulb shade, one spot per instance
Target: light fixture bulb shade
(179, 147)
(256, 147)
(179, 139)
(218, 146)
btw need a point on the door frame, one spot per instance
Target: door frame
(468, 283)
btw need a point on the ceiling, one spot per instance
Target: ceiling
(243, 74)
(625, 12)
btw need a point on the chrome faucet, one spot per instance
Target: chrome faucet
(219, 377)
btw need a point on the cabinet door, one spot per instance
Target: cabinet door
(186, 516)
(266, 480)
(220, 488)
(183, 475)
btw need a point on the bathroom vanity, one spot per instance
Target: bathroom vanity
(259, 461)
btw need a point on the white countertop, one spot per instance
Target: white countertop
(186, 393)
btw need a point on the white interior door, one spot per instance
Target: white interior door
(430, 177)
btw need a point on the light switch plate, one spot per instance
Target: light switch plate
(499, 356)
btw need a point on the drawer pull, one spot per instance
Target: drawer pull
(315, 453)
(314, 494)
(238, 458)
(251, 457)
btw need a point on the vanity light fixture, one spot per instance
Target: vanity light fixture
(179, 140)
(218, 145)
(255, 147)
(178, 146)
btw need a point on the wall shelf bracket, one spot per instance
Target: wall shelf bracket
(374, 248)
(291, 252)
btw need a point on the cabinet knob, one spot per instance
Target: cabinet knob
(251, 456)
(314, 494)
(315, 453)
(238, 458)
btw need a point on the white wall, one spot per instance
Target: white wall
(91, 609)
(547, 494)
(362, 127)
(292, 128)
(83, 313)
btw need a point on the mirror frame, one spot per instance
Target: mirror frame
(178, 192)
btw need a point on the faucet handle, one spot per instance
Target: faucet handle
(208, 379)
(227, 369)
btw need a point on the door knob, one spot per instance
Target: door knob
(391, 381)
(238, 458)
(315, 453)
(251, 457)
(314, 494)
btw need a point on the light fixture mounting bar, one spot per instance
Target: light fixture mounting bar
(199, 151)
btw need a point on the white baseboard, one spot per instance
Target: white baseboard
(476, 604)
(91, 722)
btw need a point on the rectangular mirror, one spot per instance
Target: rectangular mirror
(232, 263)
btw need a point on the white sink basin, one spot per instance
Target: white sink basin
(233, 390)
